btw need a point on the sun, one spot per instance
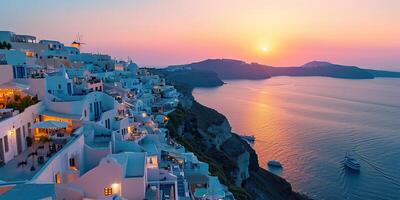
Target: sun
(264, 49)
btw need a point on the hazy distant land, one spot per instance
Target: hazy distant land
(236, 69)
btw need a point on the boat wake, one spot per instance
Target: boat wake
(387, 176)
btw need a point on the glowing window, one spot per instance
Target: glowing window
(107, 191)
(57, 178)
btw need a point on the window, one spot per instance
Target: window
(72, 163)
(6, 143)
(106, 123)
(69, 88)
(29, 129)
(91, 107)
(59, 86)
(85, 112)
(107, 191)
(57, 178)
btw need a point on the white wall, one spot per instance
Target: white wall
(36, 86)
(10, 125)
(14, 57)
(59, 163)
(93, 156)
(78, 107)
(6, 73)
(107, 173)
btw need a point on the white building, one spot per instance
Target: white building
(122, 174)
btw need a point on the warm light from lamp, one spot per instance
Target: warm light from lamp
(29, 53)
(116, 188)
(11, 132)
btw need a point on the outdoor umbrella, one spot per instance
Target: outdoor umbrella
(50, 124)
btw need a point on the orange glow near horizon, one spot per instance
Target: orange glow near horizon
(280, 33)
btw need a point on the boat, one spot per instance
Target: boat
(351, 163)
(248, 138)
(274, 163)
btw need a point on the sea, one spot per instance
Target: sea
(310, 123)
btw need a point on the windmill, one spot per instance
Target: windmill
(78, 41)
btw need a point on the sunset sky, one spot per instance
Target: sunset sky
(273, 32)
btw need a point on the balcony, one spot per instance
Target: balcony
(28, 163)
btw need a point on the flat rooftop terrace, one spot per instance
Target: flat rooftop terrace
(19, 168)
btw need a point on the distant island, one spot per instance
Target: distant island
(236, 69)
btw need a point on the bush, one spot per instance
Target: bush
(21, 103)
(29, 141)
(5, 45)
(44, 139)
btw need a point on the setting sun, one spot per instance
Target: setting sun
(264, 49)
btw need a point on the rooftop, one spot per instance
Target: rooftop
(160, 175)
(29, 191)
(19, 168)
(132, 163)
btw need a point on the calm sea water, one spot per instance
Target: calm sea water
(309, 124)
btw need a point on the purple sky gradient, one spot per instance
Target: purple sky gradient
(158, 33)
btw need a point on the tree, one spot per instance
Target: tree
(5, 45)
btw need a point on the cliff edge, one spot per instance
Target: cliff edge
(208, 134)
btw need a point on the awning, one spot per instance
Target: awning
(60, 115)
(50, 124)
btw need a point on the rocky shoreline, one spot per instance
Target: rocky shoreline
(208, 134)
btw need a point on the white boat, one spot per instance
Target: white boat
(351, 163)
(274, 163)
(248, 138)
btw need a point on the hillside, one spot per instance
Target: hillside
(230, 69)
(235, 69)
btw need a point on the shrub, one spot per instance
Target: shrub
(5, 45)
(29, 141)
(44, 139)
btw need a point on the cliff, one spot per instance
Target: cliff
(208, 134)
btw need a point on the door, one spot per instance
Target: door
(1, 150)
(19, 140)
(96, 111)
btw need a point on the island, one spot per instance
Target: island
(236, 69)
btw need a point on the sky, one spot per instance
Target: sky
(164, 32)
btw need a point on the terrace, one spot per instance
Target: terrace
(12, 96)
(29, 162)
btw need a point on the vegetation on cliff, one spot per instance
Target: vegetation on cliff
(217, 168)
(190, 126)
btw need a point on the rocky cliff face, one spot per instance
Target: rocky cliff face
(208, 134)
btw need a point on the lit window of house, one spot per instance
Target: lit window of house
(57, 178)
(107, 191)
(72, 164)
